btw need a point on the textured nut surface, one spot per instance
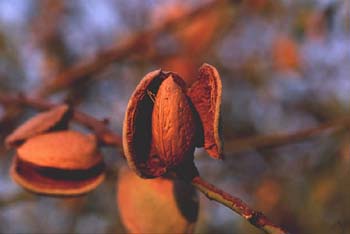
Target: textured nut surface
(156, 205)
(61, 149)
(61, 163)
(173, 127)
(40, 123)
(205, 95)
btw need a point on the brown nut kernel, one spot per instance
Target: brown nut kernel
(205, 95)
(156, 205)
(173, 127)
(62, 163)
(54, 119)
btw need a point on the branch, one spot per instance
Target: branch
(109, 138)
(274, 140)
(136, 43)
(257, 219)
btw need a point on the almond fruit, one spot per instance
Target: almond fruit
(164, 121)
(60, 163)
(156, 205)
(143, 155)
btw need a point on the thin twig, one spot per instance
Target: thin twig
(256, 218)
(239, 145)
(105, 135)
(273, 140)
(136, 43)
(109, 138)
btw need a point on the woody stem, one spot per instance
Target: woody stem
(256, 218)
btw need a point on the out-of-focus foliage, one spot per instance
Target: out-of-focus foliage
(284, 65)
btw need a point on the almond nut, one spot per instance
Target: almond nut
(173, 127)
(61, 163)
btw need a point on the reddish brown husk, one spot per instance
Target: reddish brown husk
(140, 152)
(55, 119)
(205, 95)
(60, 163)
(56, 182)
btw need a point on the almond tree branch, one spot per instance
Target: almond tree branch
(274, 140)
(106, 136)
(256, 218)
(133, 44)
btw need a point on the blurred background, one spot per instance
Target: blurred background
(284, 66)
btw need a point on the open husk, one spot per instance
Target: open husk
(62, 163)
(165, 121)
(54, 119)
(205, 95)
(143, 156)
